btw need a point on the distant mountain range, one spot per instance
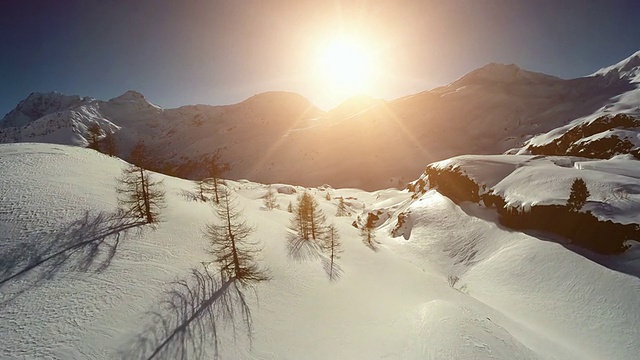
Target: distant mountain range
(281, 137)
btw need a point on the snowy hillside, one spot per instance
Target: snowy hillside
(612, 129)
(488, 111)
(532, 192)
(445, 282)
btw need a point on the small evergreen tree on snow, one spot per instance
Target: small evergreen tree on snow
(93, 136)
(327, 196)
(215, 169)
(269, 199)
(139, 195)
(342, 209)
(333, 245)
(290, 207)
(233, 251)
(578, 196)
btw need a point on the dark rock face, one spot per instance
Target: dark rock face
(604, 148)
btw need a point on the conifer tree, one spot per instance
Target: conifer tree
(367, 232)
(308, 219)
(140, 196)
(270, 199)
(233, 251)
(215, 169)
(578, 196)
(290, 207)
(342, 209)
(333, 245)
(204, 188)
(109, 146)
(93, 135)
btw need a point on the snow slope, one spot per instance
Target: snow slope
(488, 111)
(515, 297)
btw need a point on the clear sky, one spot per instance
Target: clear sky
(222, 52)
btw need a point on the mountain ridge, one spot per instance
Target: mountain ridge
(362, 143)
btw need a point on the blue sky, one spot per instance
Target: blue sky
(221, 52)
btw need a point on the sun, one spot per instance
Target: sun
(346, 66)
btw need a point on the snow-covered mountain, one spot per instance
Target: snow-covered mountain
(362, 143)
(446, 281)
(610, 130)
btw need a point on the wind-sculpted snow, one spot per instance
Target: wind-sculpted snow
(578, 309)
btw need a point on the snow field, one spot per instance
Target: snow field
(517, 297)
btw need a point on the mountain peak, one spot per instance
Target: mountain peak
(36, 105)
(277, 96)
(503, 73)
(628, 69)
(133, 98)
(129, 95)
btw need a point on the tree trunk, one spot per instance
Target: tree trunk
(215, 189)
(145, 197)
(234, 251)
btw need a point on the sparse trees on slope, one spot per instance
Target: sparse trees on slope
(333, 245)
(93, 135)
(578, 196)
(140, 196)
(342, 209)
(215, 169)
(270, 199)
(234, 253)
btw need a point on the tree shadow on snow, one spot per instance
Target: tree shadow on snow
(300, 249)
(86, 244)
(333, 270)
(192, 315)
(626, 263)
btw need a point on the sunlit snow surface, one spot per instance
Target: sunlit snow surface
(516, 297)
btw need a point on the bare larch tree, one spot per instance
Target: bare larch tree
(140, 196)
(93, 136)
(233, 250)
(108, 144)
(204, 188)
(215, 168)
(367, 232)
(342, 209)
(269, 199)
(333, 246)
(308, 220)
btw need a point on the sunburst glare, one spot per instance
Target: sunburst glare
(346, 66)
